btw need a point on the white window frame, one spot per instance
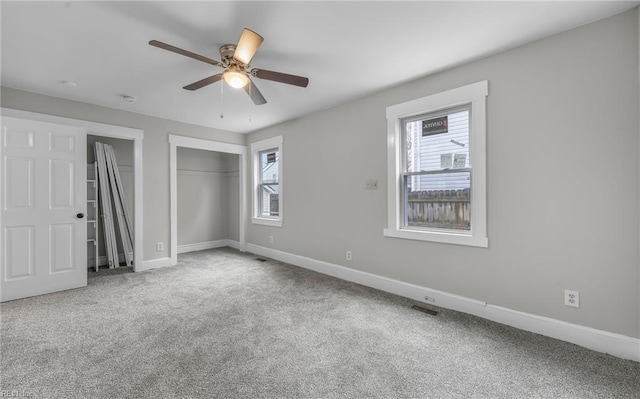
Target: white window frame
(474, 94)
(256, 148)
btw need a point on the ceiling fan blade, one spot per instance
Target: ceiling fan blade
(247, 46)
(280, 77)
(189, 54)
(204, 82)
(254, 93)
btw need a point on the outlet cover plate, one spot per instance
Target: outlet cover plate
(572, 298)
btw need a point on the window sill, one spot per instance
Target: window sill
(445, 238)
(267, 222)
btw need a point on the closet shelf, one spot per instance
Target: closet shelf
(92, 211)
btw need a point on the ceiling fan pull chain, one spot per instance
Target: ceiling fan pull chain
(250, 87)
(221, 100)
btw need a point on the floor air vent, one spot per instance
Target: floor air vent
(425, 310)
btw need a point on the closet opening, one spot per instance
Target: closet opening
(110, 204)
(208, 201)
(224, 163)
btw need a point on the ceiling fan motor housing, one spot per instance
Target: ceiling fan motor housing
(226, 53)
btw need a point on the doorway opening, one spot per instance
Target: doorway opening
(208, 199)
(220, 161)
(123, 151)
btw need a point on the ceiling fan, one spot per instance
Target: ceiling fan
(235, 61)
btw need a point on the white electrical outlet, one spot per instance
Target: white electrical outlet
(430, 299)
(348, 255)
(271, 239)
(572, 298)
(159, 246)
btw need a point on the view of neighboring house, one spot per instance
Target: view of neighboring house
(439, 177)
(269, 187)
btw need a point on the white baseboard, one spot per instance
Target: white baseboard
(199, 246)
(234, 244)
(602, 341)
(598, 340)
(153, 264)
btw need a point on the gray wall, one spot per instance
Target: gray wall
(208, 208)
(563, 177)
(155, 152)
(233, 196)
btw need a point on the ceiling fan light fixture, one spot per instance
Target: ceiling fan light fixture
(247, 46)
(235, 78)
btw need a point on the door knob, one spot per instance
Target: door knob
(80, 215)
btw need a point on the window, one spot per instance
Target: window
(437, 172)
(267, 180)
(268, 186)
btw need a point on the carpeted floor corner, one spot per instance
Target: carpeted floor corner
(223, 324)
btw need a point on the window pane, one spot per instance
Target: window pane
(438, 200)
(269, 166)
(438, 141)
(269, 199)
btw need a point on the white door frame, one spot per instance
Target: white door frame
(119, 132)
(176, 141)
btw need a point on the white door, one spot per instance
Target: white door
(43, 235)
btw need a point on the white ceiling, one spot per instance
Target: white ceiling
(346, 49)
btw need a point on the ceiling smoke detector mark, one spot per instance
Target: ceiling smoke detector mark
(128, 98)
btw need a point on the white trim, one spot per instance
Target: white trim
(267, 222)
(602, 341)
(474, 94)
(638, 149)
(434, 236)
(176, 141)
(265, 144)
(206, 173)
(201, 246)
(434, 102)
(119, 132)
(154, 264)
(256, 147)
(234, 244)
(598, 340)
(208, 145)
